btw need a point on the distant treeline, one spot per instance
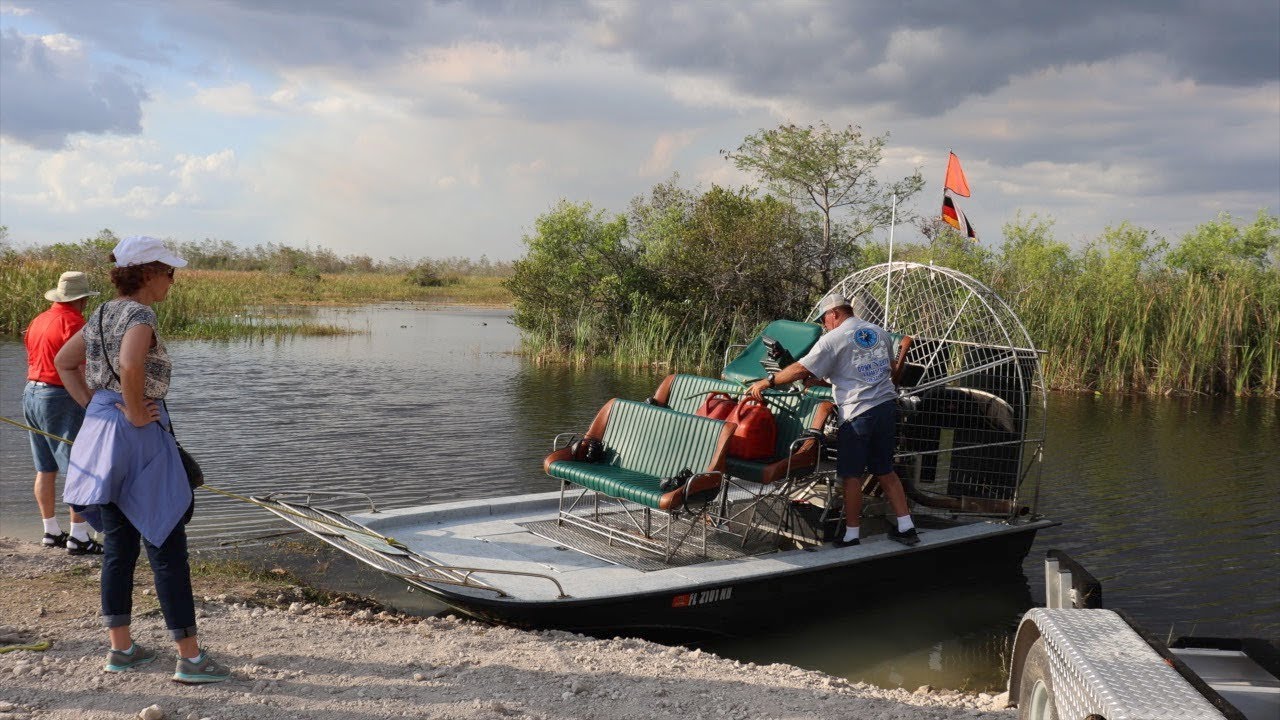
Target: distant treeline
(212, 254)
(682, 274)
(228, 292)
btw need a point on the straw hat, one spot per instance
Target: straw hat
(71, 286)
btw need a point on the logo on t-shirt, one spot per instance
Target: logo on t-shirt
(865, 337)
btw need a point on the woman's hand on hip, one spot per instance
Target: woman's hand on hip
(141, 415)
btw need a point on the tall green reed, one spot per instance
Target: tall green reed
(224, 304)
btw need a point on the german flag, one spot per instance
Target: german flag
(953, 216)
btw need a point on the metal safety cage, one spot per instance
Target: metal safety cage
(972, 393)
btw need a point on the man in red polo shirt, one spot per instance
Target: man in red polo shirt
(49, 407)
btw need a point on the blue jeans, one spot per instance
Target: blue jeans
(169, 566)
(51, 408)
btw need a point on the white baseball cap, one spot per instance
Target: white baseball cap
(140, 250)
(831, 302)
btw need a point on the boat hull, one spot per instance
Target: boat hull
(742, 605)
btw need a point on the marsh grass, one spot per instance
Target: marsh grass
(1167, 333)
(1161, 333)
(227, 304)
(646, 340)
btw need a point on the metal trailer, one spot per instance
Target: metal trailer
(1074, 660)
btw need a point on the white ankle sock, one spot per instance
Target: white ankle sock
(52, 527)
(904, 523)
(851, 533)
(80, 531)
(199, 656)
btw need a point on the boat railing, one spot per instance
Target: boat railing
(382, 552)
(308, 494)
(735, 346)
(467, 580)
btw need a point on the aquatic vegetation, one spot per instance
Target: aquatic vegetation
(229, 304)
(1127, 312)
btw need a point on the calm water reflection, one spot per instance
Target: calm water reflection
(1171, 503)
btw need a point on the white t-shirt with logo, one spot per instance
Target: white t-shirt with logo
(855, 359)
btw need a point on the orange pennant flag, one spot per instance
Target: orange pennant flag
(955, 181)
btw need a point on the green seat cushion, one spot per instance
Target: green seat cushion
(745, 469)
(822, 393)
(796, 337)
(642, 445)
(688, 392)
(613, 481)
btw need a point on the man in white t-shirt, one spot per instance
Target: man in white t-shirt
(854, 356)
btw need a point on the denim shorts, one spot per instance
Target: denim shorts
(51, 408)
(866, 442)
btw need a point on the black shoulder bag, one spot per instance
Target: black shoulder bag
(195, 476)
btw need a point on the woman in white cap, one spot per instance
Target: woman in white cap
(126, 476)
(48, 406)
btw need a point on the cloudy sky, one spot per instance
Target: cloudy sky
(413, 128)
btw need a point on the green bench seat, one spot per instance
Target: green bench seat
(796, 337)
(642, 445)
(793, 414)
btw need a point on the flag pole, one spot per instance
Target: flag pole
(893, 218)
(945, 168)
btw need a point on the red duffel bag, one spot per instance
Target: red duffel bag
(717, 406)
(756, 434)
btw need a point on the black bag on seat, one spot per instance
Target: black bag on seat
(592, 450)
(677, 481)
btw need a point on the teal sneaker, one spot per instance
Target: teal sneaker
(203, 669)
(121, 660)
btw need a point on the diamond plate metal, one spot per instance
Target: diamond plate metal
(1098, 664)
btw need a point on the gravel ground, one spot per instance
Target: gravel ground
(298, 654)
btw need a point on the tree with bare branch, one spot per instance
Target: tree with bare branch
(832, 169)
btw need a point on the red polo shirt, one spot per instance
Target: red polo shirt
(45, 337)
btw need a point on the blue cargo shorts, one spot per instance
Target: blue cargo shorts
(866, 442)
(52, 409)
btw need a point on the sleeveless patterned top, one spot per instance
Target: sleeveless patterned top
(117, 316)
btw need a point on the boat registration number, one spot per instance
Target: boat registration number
(704, 597)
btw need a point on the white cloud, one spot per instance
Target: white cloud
(664, 149)
(128, 176)
(66, 46)
(529, 169)
(465, 63)
(238, 99)
(452, 137)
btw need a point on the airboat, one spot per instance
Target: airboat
(655, 525)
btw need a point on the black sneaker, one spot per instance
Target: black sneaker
(842, 543)
(910, 537)
(55, 541)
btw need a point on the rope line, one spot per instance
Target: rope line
(28, 428)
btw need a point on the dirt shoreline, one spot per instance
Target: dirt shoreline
(299, 653)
